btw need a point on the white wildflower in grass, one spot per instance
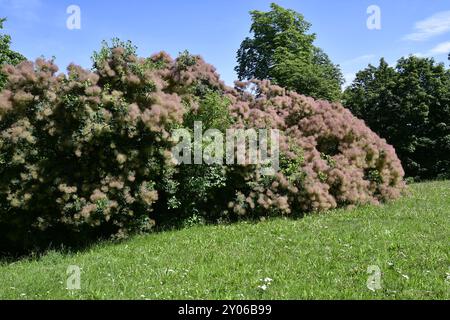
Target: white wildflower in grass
(266, 282)
(263, 287)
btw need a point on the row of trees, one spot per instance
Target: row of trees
(408, 105)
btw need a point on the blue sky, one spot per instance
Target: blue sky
(215, 28)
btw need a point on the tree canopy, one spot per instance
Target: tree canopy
(283, 51)
(409, 105)
(7, 56)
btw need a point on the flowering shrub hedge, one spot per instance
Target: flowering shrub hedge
(88, 153)
(343, 163)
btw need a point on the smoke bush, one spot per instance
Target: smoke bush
(89, 152)
(343, 162)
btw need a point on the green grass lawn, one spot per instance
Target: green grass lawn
(322, 256)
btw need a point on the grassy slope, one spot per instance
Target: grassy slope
(318, 257)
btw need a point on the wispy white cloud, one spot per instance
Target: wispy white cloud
(419, 55)
(21, 9)
(440, 49)
(358, 60)
(435, 25)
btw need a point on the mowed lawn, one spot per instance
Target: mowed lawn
(322, 256)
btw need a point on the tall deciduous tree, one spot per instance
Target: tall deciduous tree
(409, 105)
(7, 56)
(283, 51)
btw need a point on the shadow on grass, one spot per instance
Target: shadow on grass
(65, 241)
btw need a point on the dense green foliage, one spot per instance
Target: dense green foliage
(409, 105)
(7, 56)
(89, 153)
(322, 256)
(282, 51)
